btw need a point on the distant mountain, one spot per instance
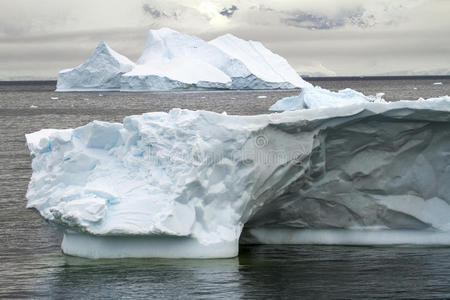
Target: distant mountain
(438, 71)
(26, 78)
(317, 70)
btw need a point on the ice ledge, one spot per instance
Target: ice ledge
(95, 247)
(292, 236)
(91, 246)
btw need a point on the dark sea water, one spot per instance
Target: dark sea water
(32, 266)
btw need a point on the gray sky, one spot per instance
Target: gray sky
(345, 37)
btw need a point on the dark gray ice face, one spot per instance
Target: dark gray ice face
(376, 172)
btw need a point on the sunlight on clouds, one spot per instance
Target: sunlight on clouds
(213, 13)
(346, 37)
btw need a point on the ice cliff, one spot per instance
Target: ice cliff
(188, 183)
(175, 61)
(102, 72)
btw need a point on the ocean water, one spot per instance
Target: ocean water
(32, 265)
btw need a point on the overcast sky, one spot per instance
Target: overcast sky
(345, 37)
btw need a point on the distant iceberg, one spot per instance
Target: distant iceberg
(175, 61)
(102, 72)
(317, 97)
(194, 183)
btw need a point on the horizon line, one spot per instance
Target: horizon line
(306, 77)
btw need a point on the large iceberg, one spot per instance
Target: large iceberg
(317, 97)
(175, 61)
(188, 183)
(102, 72)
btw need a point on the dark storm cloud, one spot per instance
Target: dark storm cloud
(228, 12)
(307, 20)
(155, 13)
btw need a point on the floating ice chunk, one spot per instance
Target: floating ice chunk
(80, 212)
(316, 97)
(54, 98)
(33, 106)
(262, 97)
(437, 83)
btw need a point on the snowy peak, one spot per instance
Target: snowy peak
(124, 62)
(102, 71)
(168, 43)
(162, 32)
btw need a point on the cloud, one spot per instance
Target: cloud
(228, 12)
(309, 20)
(155, 13)
(350, 37)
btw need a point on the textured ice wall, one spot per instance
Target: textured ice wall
(189, 181)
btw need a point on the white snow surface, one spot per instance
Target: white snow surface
(261, 62)
(168, 44)
(188, 183)
(317, 97)
(102, 72)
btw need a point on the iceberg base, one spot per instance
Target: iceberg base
(92, 246)
(292, 236)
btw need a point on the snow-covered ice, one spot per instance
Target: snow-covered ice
(173, 74)
(266, 70)
(102, 72)
(188, 183)
(317, 97)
